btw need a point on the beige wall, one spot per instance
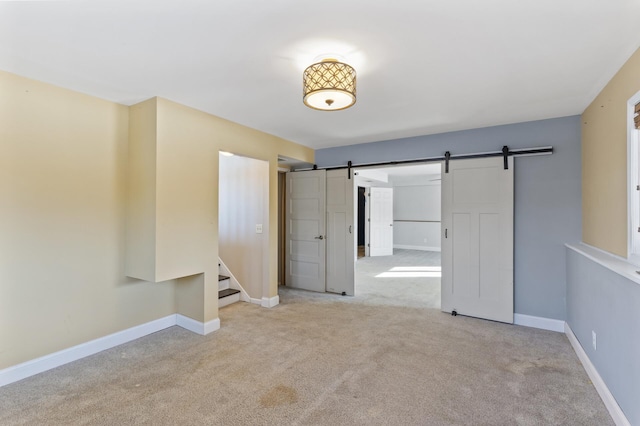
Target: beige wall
(63, 184)
(189, 142)
(140, 260)
(186, 189)
(604, 161)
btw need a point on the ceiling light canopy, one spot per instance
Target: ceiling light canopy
(329, 85)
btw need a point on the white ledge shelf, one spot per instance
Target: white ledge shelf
(612, 262)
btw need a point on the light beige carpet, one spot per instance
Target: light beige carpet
(316, 360)
(408, 278)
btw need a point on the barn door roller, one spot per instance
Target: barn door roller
(505, 157)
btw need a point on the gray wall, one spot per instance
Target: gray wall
(547, 196)
(411, 205)
(416, 202)
(609, 304)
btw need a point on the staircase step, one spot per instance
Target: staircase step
(227, 297)
(227, 292)
(224, 282)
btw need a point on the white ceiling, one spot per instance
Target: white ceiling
(424, 66)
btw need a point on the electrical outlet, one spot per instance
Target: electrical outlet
(258, 228)
(593, 340)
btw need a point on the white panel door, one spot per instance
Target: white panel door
(477, 239)
(305, 215)
(340, 239)
(381, 222)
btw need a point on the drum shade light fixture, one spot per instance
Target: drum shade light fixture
(329, 85)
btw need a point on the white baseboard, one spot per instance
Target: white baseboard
(65, 356)
(266, 302)
(423, 248)
(609, 401)
(197, 326)
(211, 326)
(270, 302)
(539, 322)
(39, 365)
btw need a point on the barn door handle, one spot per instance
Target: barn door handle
(319, 238)
(349, 228)
(445, 233)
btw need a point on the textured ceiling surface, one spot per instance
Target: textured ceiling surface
(423, 67)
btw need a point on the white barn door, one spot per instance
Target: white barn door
(381, 221)
(340, 233)
(477, 238)
(305, 216)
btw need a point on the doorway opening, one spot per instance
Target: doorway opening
(474, 198)
(362, 218)
(243, 223)
(405, 270)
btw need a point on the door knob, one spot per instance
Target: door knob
(319, 238)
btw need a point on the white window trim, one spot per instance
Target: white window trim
(633, 179)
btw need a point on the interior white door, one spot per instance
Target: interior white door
(341, 233)
(305, 215)
(381, 221)
(367, 221)
(477, 240)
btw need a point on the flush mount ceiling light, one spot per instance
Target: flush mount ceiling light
(329, 85)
